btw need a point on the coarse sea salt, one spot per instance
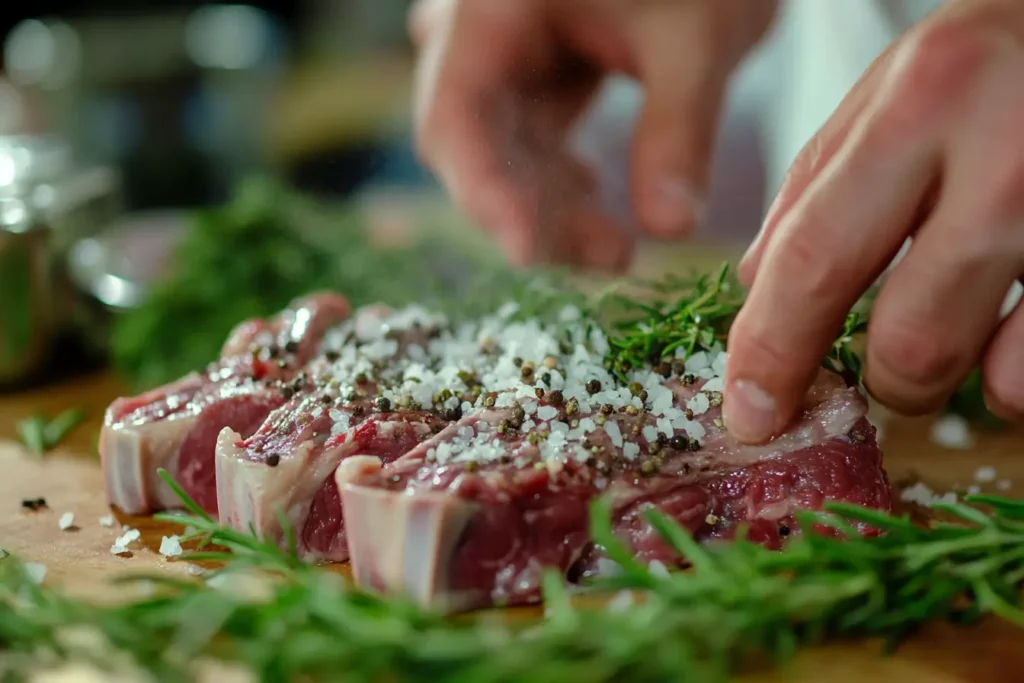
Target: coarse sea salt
(985, 474)
(922, 494)
(952, 431)
(35, 571)
(658, 568)
(66, 521)
(107, 521)
(170, 546)
(622, 601)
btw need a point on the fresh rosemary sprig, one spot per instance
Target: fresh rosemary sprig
(741, 603)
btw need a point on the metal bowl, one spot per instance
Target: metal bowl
(113, 272)
(46, 205)
(27, 320)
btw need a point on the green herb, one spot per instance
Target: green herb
(741, 604)
(250, 258)
(39, 435)
(674, 313)
(842, 359)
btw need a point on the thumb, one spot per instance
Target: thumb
(684, 73)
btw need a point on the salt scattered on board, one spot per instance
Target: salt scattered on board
(107, 521)
(170, 546)
(922, 494)
(122, 542)
(952, 431)
(66, 521)
(622, 601)
(35, 571)
(985, 474)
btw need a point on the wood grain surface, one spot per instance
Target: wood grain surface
(79, 559)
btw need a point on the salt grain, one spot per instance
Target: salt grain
(66, 521)
(107, 521)
(985, 474)
(1003, 484)
(952, 431)
(170, 546)
(922, 494)
(658, 569)
(35, 571)
(622, 601)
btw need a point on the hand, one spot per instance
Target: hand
(500, 83)
(929, 143)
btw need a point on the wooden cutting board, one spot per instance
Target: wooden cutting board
(79, 559)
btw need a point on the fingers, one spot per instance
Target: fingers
(814, 156)
(823, 254)
(425, 16)
(684, 73)
(501, 158)
(464, 67)
(936, 312)
(1003, 367)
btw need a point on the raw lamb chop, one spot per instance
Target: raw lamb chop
(480, 524)
(288, 464)
(456, 462)
(176, 426)
(466, 457)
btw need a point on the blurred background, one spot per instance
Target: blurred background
(119, 121)
(185, 98)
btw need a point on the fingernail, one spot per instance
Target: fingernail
(672, 208)
(750, 412)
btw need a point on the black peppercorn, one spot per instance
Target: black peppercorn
(679, 443)
(273, 460)
(593, 386)
(383, 404)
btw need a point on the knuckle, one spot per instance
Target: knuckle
(1002, 197)
(755, 346)
(1003, 381)
(1007, 389)
(913, 355)
(940, 59)
(933, 67)
(807, 253)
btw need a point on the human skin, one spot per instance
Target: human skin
(929, 144)
(500, 83)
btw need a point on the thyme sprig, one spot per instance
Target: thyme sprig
(741, 604)
(690, 313)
